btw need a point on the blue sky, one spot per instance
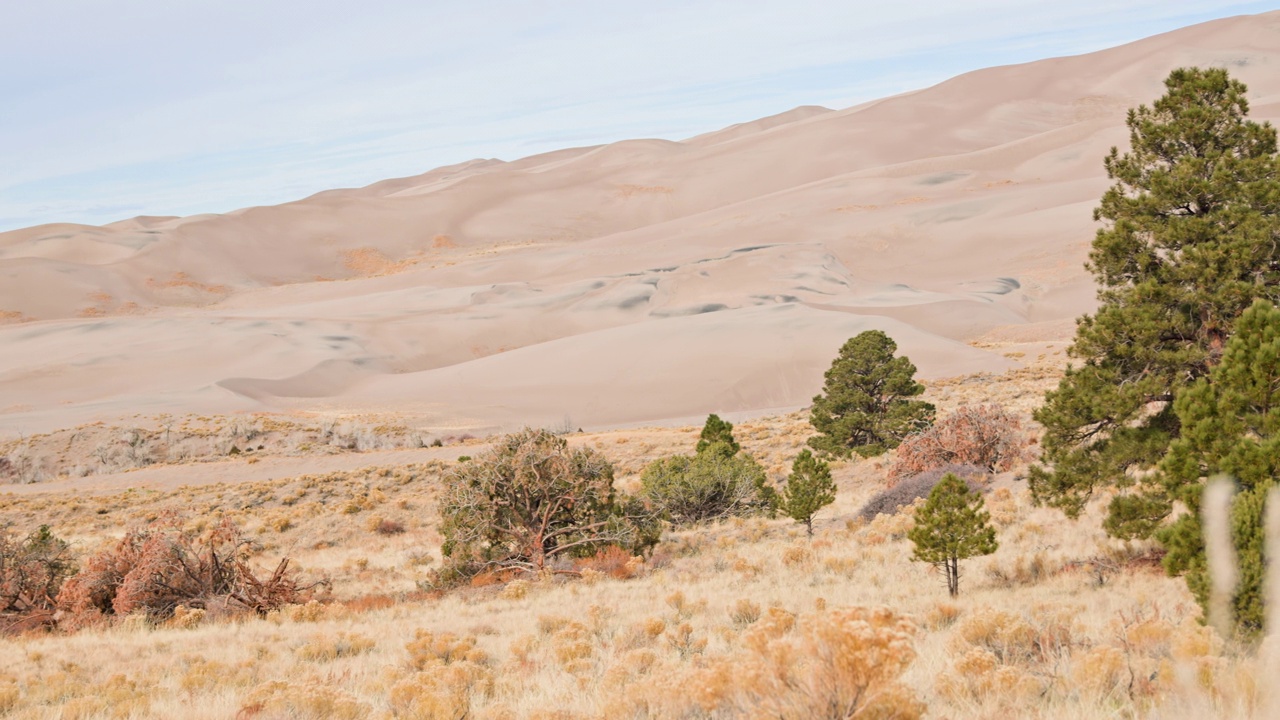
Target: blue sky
(116, 108)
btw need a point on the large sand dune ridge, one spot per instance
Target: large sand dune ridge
(640, 281)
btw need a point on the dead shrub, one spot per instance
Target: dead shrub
(1015, 640)
(327, 648)
(369, 603)
(613, 561)
(386, 527)
(428, 649)
(1024, 571)
(301, 701)
(843, 663)
(155, 569)
(985, 436)
(744, 612)
(904, 493)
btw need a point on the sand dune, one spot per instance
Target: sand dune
(633, 282)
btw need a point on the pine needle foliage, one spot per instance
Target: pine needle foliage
(952, 526)
(865, 405)
(809, 488)
(1191, 237)
(1230, 425)
(716, 431)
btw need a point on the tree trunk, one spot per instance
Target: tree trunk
(537, 555)
(808, 525)
(953, 576)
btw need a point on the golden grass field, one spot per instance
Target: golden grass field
(746, 618)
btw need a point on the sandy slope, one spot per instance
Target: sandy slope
(625, 283)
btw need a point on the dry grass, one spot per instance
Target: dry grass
(746, 618)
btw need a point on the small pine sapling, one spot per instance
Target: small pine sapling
(717, 431)
(952, 526)
(809, 489)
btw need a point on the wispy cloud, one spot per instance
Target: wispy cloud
(157, 107)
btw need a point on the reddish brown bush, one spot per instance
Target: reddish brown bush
(493, 577)
(369, 603)
(157, 568)
(612, 561)
(388, 527)
(986, 436)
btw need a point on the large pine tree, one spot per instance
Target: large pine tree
(1191, 238)
(865, 405)
(1230, 425)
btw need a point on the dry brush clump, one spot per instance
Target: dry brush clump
(158, 568)
(905, 492)
(671, 642)
(983, 436)
(837, 664)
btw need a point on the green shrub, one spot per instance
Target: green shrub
(715, 483)
(809, 489)
(950, 527)
(716, 431)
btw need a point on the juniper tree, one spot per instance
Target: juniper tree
(1230, 425)
(529, 501)
(716, 430)
(809, 489)
(1191, 237)
(864, 406)
(952, 526)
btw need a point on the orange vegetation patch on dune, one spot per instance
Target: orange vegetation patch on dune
(13, 316)
(628, 190)
(372, 262)
(867, 208)
(181, 279)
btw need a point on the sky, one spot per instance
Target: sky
(117, 108)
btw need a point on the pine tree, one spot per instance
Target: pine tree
(1230, 425)
(716, 430)
(809, 489)
(864, 405)
(952, 526)
(1191, 238)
